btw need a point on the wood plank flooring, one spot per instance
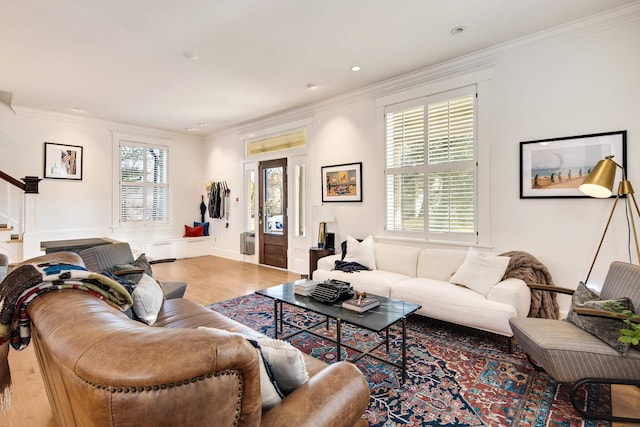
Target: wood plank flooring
(211, 279)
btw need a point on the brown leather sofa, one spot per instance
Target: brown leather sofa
(101, 368)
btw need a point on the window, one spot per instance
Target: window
(431, 167)
(144, 186)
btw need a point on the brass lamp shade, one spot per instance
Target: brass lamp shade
(599, 183)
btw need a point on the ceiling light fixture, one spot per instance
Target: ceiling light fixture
(355, 68)
(190, 55)
(190, 129)
(78, 110)
(203, 125)
(457, 30)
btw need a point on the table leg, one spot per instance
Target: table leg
(386, 331)
(338, 337)
(404, 350)
(275, 318)
(281, 313)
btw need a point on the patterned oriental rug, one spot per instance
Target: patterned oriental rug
(454, 377)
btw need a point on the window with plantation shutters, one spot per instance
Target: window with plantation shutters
(431, 167)
(144, 186)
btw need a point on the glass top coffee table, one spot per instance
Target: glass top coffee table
(377, 319)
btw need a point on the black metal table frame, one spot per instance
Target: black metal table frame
(279, 318)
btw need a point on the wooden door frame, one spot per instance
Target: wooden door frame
(267, 238)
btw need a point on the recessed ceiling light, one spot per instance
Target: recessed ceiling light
(203, 125)
(355, 68)
(78, 110)
(190, 129)
(311, 86)
(190, 55)
(457, 30)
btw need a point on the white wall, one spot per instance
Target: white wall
(586, 83)
(75, 209)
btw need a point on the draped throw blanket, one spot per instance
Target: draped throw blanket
(526, 267)
(350, 267)
(27, 282)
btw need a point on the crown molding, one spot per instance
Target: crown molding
(476, 61)
(107, 125)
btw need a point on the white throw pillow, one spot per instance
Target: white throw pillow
(361, 252)
(287, 363)
(282, 369)
(480, 272)
(147, 299)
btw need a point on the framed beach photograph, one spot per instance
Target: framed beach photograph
(556, 167)
(62, 161)
(342, 183)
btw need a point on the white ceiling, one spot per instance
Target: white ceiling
(125, 60)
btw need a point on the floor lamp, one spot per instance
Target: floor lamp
(599, 184)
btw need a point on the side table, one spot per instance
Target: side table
(314, 255)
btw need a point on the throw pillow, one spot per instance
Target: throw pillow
(143, 262)
(193, 231)
(361, 252)
(205, 226)
(480, 272)
(284, 367)
(147, 299)
(132, 277)
(607, 330)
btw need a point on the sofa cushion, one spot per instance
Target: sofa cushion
(397, 259)
(480, 272)
(439, 264)
(456, 304)
(361, 252)
(377, 282)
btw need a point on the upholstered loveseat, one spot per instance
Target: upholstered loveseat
(423, 276)
(102, 368)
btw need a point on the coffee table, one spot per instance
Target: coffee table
(377, 319)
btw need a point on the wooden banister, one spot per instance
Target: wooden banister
(13, 181)
(30, 184)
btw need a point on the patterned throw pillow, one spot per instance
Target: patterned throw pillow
(606, 329)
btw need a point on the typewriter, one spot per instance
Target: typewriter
(332, 291)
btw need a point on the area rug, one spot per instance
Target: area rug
(454, 377)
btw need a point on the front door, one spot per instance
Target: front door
(272, 212)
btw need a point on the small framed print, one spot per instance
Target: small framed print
(556, 167)
(62, 161)
(342, 183)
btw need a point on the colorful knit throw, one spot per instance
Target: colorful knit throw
(29, 281)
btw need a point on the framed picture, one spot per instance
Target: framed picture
(62, 161)
(556, 167)
(342, 183)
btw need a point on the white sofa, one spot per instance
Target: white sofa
(422, 276)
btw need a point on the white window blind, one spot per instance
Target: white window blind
(144, 186)
(431, 167)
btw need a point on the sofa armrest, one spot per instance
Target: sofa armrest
(550, 288)
(328, 262)
(514, 292)
(342, 390)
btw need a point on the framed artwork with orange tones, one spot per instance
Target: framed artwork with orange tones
(342, 183)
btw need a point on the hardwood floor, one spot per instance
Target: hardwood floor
(211, 279)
